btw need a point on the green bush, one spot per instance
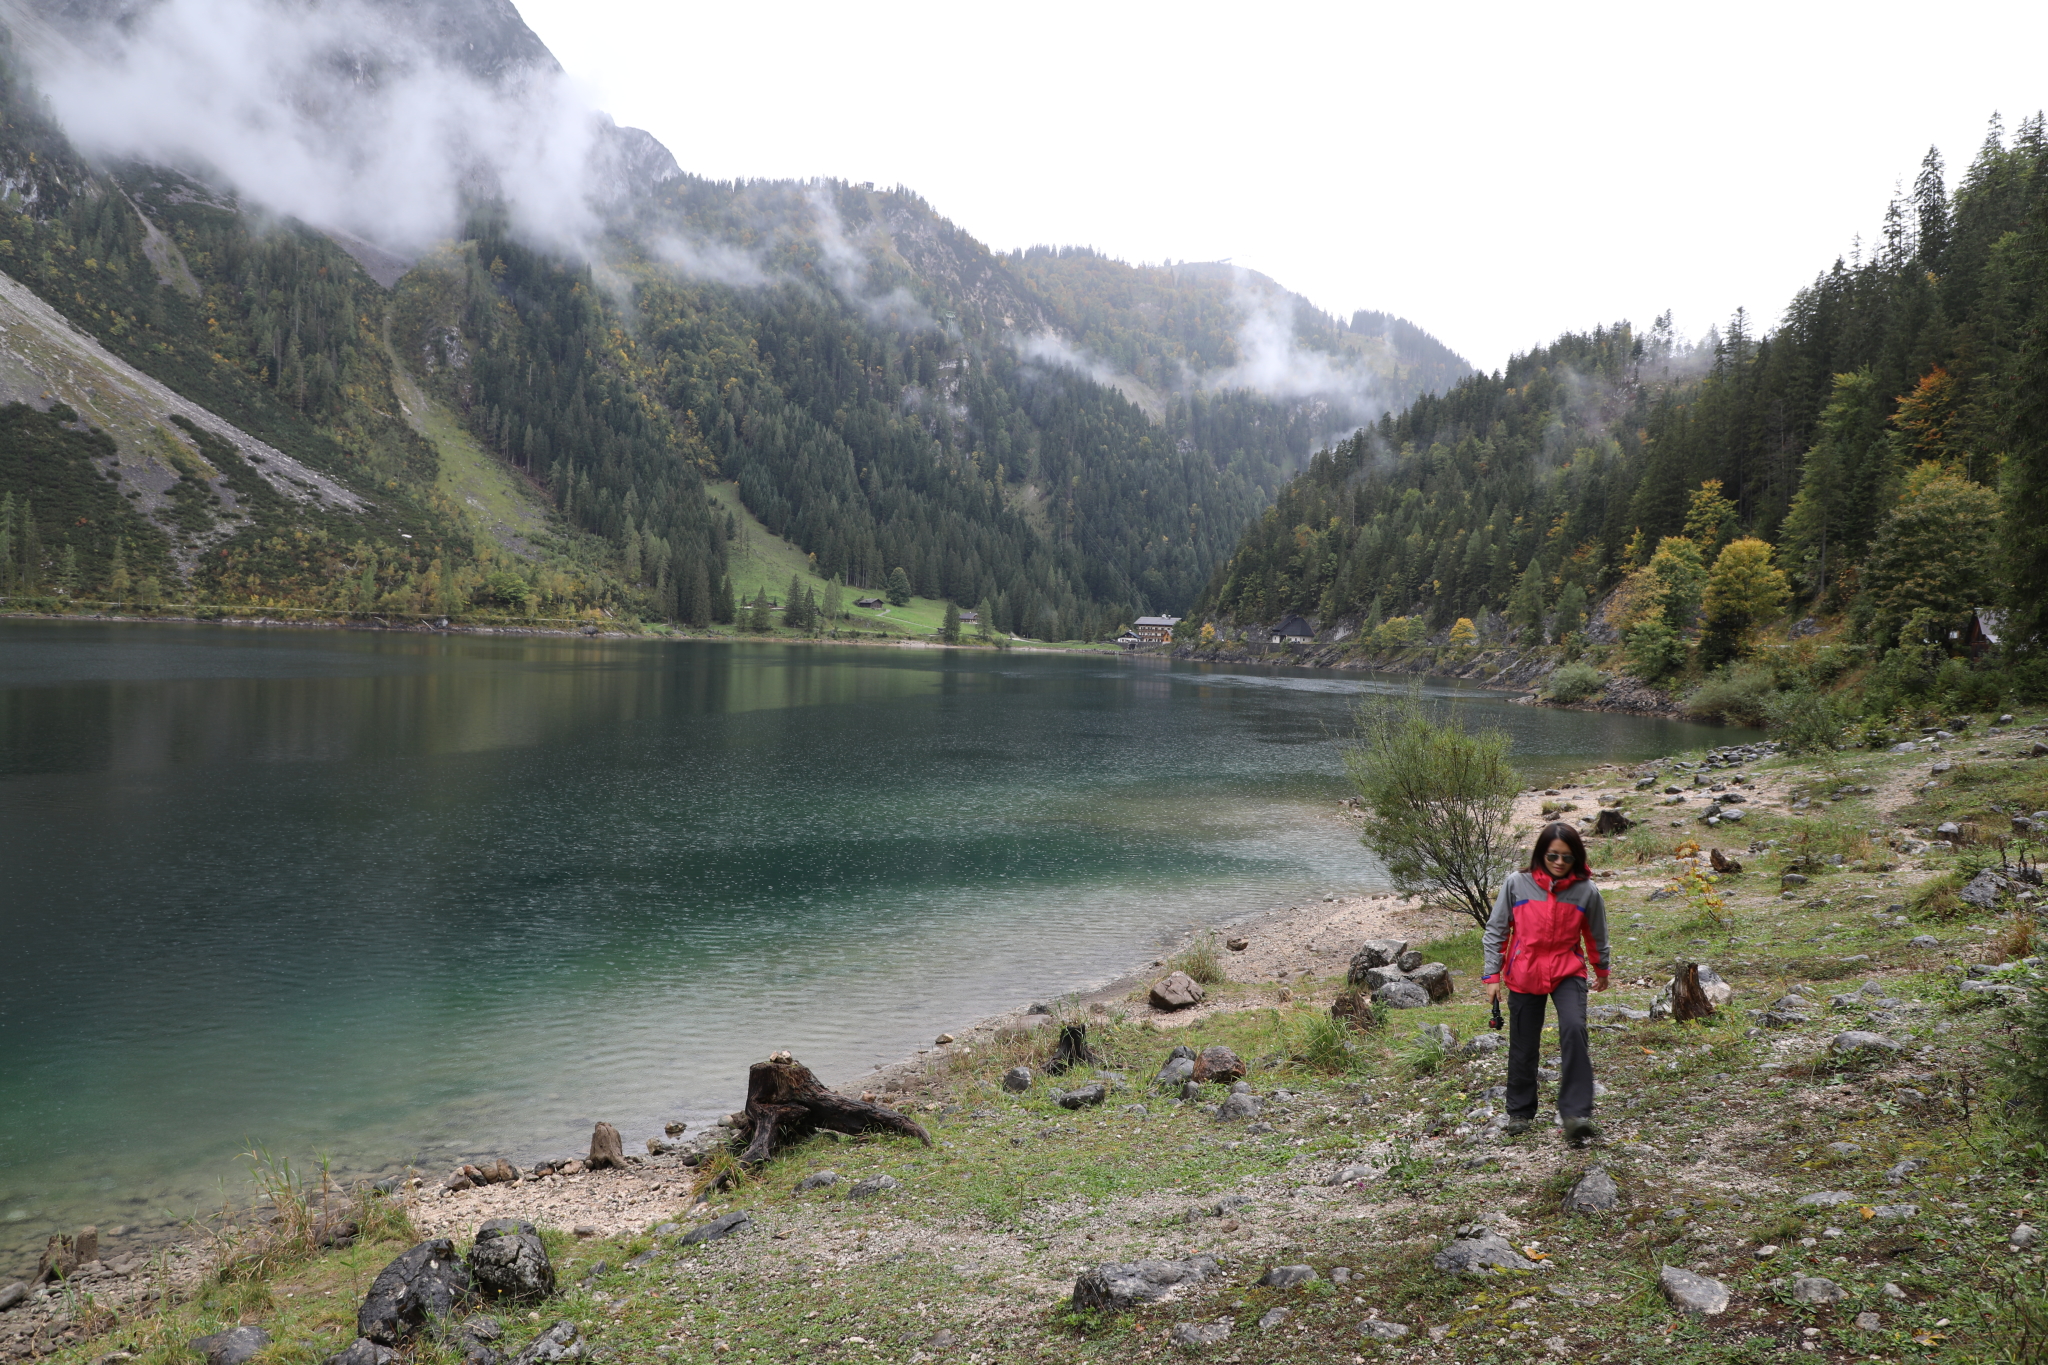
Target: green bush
(1199, 960)
(1574, 682)
(2025, 1063)
(1655, 651)
(1739, 696)
(1805, 722)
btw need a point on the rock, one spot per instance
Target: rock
(429, 1281)
(1895, 1174)
(1017, 1079)
(1121, 1286)
(1433, 977)
(509, 1261)
(1409, 960)
(1378, 952)
(1690, 1293)
(361, 1351)
(236, 1346)
(1478, 1249)
(1983, 889)
(1218, 1066)
(1401, 995)
(1923, 941)
(1179, 1066)
(722, 1226)
(12, 1294)
(1595, 1192)
(1817, 1289)
(1237, 945)
(1868, 1322)
(817, 1180)
(560, 1342)
(1192, 1334)
(1791, 879)
(1824, 1199)
(1177, 991)
(1274, 1317)
(1858, 1045)
(1484, 1044)
(1083, 1098)
(1895, 1213)
(874, 1185)
(1238, 1107)
(1766, 1251)
(1287, 1276)
(1440, 1034)
(1375, 1330)
(2024, 1236)
(1346, 1174)
(1376, 977)
(1844, 1148)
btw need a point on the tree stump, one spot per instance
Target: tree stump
(1611, 821)
(606, 1151)
(786, 1103)
(1071, 1050)
(1688, 1000)
(1727, 867)
(1355, 1009)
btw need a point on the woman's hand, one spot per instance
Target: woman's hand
(1493, 989)
(1600, 981)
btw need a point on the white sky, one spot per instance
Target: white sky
(1495, 173)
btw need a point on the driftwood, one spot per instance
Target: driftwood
(1688, 1000)
(786, 1103)
(1726, 866)
(606, 1151)
(1071, 1050)
(62, 1257)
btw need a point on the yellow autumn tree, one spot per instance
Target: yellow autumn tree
(1464, 634)
(1743, 588)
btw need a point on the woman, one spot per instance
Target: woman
(1543, 913)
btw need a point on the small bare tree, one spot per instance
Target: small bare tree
(1438, 798)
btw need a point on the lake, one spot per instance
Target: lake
(392, 898)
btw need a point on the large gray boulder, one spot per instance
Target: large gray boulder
(1477, 1249)
(1699, 1295)
(1180, 1066)
(362, 1351)
(1120, 1286)
(428, 1282)
(1287, 1276)
(1435, 978)
(560, 1342)
(1595, 1192)
(1239, 1106)
(1378, 952)
(509, 1261)
(1177, 991)
(1858, 1045)
(1817, 1289)
(1192, 1335)
(718, 1228)
(1401, 995)
(236, 1346)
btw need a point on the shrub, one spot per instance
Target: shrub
(1324, 1044)
(2025, 1061)
(1199, 960)
(1739, 696)
(1805, 722)
(1655, 651)
(1574, 682)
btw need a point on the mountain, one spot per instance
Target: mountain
(1881, 456)
(381, 251)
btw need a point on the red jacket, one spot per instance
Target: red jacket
(1536, 928)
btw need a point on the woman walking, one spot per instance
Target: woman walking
(1532, 940)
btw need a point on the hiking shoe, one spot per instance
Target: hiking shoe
(1579, 1130)
(1516, 1125)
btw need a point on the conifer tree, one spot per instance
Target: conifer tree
(697, 608)
(758, 619)
(899, 586)
(949, 631)
(723, 608)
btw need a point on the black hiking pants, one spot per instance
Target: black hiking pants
(1525, 1049)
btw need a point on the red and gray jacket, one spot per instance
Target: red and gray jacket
(1536, 928)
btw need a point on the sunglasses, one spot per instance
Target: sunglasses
(1558, 857)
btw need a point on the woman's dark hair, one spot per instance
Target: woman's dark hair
(1557, 829)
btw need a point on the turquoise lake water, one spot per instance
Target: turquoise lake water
(404, 898)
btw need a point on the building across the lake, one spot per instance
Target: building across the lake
(1153, 630)
(1293, 630)
(869, 603)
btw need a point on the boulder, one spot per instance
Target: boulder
(1287, 1276)
(2024, 1235)
(1983, 890)
(1895, 1213)
(1409, 960)
(1378, 952)
(1017, 1079)
(720, 1227)
(1376, 1330)
(428, 1282)
(1824, 1199)
(1435, 978)
(1274, 1317)
(1238, 945)
(509, 1261)
(1122, 1286)
(236, 1346)
(1376, 977)
(1401, 995)
(560, 1342)
(1189, 1335)
(1817, 1289)
(1595, 1192)
(1083, 1098)
(1218, 1066)
(817, 1180)
(874, 1185)
(1180, 1066)
(1483, 1044)
(1177, 991)
(1699, 1295)
(362, 1351)
(1238, 1106)
(1857, 1045)
(1344, 1175)
(12, 1294)
(1923, 941)
(1477, 1249)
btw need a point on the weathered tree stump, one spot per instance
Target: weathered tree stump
(63, 1255)
(786, 1103)
(1726, 866)
(1611, 821)
(1688, 999)
(606, 1151)
(1071, 1050)
(1355, 1008)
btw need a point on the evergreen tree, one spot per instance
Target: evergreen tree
(835, 601)
(118, 585)
(1937, 554)
(758, 619)
(723, 609)
(697, 604)
(899, 586)
(949, 631)
(984, 621)
(793, 605)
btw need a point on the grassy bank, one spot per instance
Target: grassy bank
(1713, 1130)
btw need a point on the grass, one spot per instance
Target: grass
(1199, 960)
(1712, 1134)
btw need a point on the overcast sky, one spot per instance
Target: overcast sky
(1494, 173)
